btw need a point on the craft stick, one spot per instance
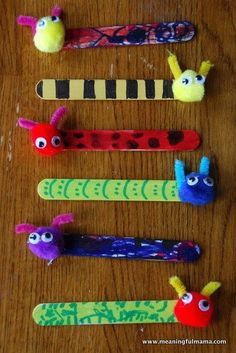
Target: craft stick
(196, 188)
(50, 242)
(50, 35)
(137, 34)
(95, 313)
(79, 89)
(192, 309)
(108, 190)
(130, 248)
(187, 86)
(48, 139)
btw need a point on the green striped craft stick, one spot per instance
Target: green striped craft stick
(95, 313)
(108, 190)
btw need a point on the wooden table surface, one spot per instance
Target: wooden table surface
(25, 280)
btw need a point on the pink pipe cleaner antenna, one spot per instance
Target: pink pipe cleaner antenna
(28, 21)
(57, 115)
(56, 11)
(25, 228)
(63, 219)
(26, 124)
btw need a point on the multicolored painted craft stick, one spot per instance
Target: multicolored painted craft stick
(50, 35)
(49, 140)
(50, 242)
(187, 86)
(191, 309)
(196, 188)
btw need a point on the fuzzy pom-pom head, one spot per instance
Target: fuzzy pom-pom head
(194, 309)
(189, 87)
(50, 34)
(46, 243)
(47, 139)
(198, 189)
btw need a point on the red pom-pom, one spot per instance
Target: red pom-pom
(194, 309)
(47, 140)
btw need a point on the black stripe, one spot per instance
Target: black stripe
(39, 89)
(131, 89)
(111, 89)
(150, 89)
(167, 89)
(89, 91)
(62, 89)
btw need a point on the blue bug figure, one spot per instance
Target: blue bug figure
(196, 188)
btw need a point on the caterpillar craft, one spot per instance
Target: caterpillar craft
(49, 140)
(50, 35)
(191, 309)
(187, 86)
(196, 188)
(50, 242)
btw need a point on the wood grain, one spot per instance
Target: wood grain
(27, 281)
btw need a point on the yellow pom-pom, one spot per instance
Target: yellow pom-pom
(50, 34)
(189, 87)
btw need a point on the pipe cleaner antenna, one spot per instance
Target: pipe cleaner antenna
(178, 285)
(210, 288)
(204, 167)
(63, 219)
(56, 11)
(179, 173)
(25, 228)
(174, 65)
(27, 21)
(57, 116)
(26, 124)
(205, 67)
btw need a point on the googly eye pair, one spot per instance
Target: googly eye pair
(42, 23)
(203, 304)
(194, 180)
(34, 238)
(41, 142)
(187, 80)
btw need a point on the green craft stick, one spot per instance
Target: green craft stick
(95, 313)
(108, 190)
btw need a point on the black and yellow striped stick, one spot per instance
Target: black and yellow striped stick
(51, 89)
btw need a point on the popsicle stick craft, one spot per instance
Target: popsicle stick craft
(48, 139)
(50, 242)
(187, 86)
(50, 35)
(196, 188)
(191, 309)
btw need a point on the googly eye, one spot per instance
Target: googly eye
(187, 80)
(42, 23)
(187, 298)
(204, 305)
(56, 141)
(47, 237)
(208, 181)
(34, 238)
(55, 19)
(193, 180)
(200, 79)
(40, 142)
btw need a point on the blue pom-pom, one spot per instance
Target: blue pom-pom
(196, 188)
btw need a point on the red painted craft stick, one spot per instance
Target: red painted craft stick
(131, 140)
(47, 139)
(140, 34)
